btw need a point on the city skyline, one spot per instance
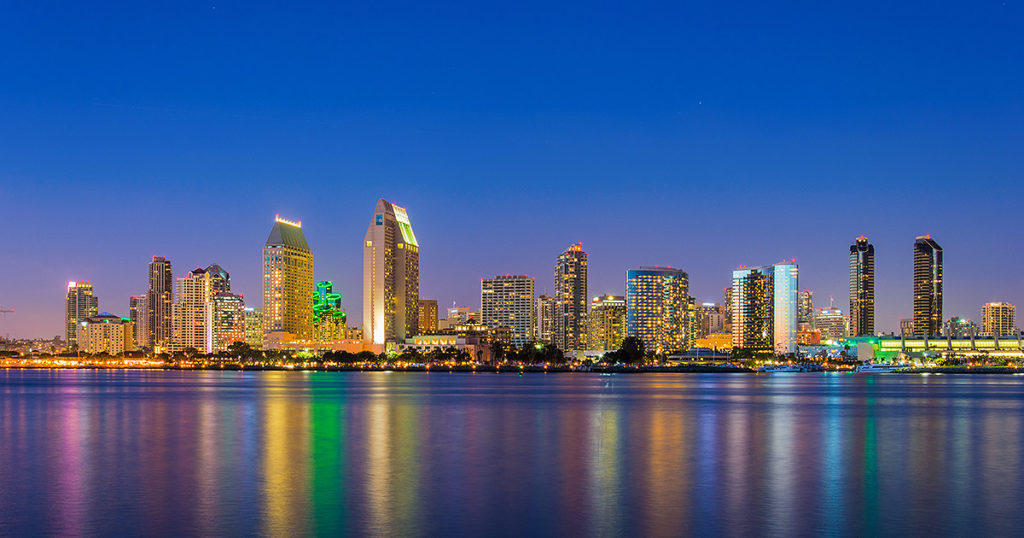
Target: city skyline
(350, 307)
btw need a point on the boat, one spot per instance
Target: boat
(781, 368)
(878, 368)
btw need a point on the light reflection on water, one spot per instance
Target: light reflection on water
(292, 453)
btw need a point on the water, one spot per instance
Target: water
(291, 453)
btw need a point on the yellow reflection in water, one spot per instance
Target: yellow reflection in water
(285, 456)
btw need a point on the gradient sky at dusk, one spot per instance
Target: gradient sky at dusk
(700, 136)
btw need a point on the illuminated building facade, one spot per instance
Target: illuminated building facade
(545, 314)
(907, 327)
(428, 316)
(329, 318)
(138, 314)
(606, 323)
(998, 319)
(507, 301)
(658, 308)
(765, 308)
(106, 333)
(228, 323)
(192, 313)
(159, 301)
(709, 319)
(927, 287)
(805, 306)
(80, 304)
(391, 276)
(957, 327)
(254, 327)
(830, 323)
(862, 288)
(570, 329)
(287, 281)
(727, 310)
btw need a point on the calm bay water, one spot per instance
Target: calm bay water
(291, 453)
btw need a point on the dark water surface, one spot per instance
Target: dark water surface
(291, 453)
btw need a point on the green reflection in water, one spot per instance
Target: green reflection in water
(328, 453)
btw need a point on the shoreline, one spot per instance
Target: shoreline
(512, 369)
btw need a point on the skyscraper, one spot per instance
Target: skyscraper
(428, 316)
(606, 323)
(254, 327)
(191, 313)
(507, 301)
(159, 299)
(862, 288)
(546, 319)
(571, 299)
(220, 280)
(391, 276)
(708, 319)
(287, 283)
(138, 313)
(927, 287)
(727, 309)
(805, 306)
(658, 308)
(228, 319)
(765, 308)
(81, 304)
(831, 323)
(998, 319)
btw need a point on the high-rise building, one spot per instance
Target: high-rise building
(658, 308)
(254, 327)
(765, 308)
(391, 276)
(220, 280)
(957, 327)
(228, 321)
(106, 333)
(862, 288)
(546, 319)
(428, 316)
(159, 301)
(571, 299)
(709, 319)
(927, 287)
(81, 304)
(192, 313)
(830, 323)
(507, 301)
(606, 323)
(287, 281)
(727, 309)
(138, 313)
(330, 322)
(907, 327)
(998, 319)
(805, 306)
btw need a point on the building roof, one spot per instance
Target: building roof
(287, 234)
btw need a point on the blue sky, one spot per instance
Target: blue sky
(700, 136)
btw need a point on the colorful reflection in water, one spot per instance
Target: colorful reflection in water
(292, 453)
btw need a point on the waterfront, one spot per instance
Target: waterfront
(289, 453)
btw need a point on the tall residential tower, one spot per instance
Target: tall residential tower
(765, 308)
(159, 299)
(507, 301)
(927, 287)
(862, 288)
(81, 304)
(658, 308)
(571, 299)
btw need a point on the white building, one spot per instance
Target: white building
(507, 301)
